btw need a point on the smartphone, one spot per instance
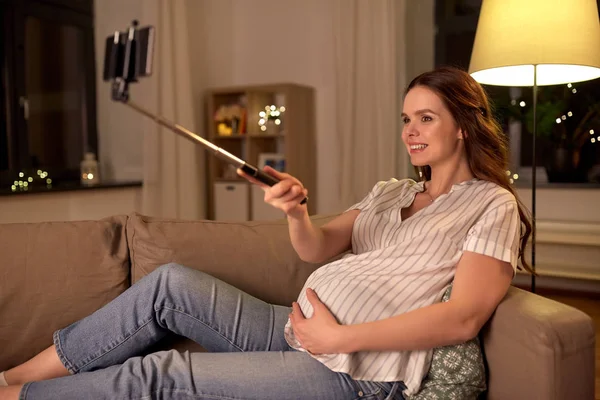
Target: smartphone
(128, 55)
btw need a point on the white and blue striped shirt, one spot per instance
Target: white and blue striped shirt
(397, 266)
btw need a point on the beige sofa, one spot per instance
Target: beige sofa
(54, 273)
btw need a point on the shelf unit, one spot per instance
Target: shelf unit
(293, 139)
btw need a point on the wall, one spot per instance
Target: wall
(89, 204)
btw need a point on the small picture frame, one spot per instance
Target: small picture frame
(273, 160)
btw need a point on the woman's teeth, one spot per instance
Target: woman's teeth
(417, 146)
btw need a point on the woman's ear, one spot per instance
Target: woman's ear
(461, 134)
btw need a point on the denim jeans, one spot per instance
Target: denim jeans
(248, 356)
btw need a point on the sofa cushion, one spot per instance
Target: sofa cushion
(256, 257)
(52, 274)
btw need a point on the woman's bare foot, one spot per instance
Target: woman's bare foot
(46, 365)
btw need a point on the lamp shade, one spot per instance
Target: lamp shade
(561, 37)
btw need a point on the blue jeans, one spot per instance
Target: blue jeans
(248, 356)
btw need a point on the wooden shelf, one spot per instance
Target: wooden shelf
(293, 138)
(229, 137)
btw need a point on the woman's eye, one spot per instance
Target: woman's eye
(405, 120)
(425, 118)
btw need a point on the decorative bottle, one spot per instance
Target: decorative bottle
(89, 170)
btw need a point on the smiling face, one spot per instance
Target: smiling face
(431, 134)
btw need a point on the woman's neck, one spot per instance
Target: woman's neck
(442, 179)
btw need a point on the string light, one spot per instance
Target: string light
(26, 182)
(271, 112)
(569, 85)
(522, 104)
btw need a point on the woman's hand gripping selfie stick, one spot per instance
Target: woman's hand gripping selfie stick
(129, 56)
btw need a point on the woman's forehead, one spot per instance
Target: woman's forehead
(420, 98)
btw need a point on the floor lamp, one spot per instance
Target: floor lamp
(535, 43)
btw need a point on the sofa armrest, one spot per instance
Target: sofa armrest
(537, 348)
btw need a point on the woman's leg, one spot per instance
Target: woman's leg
(173, 298)
(172, 375)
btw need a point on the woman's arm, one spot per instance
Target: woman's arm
(313, 244)
(480, 283)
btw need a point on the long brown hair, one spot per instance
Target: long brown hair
(486, 145)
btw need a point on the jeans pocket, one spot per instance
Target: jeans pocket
(368, 391)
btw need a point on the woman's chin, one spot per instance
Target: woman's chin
(418, 163)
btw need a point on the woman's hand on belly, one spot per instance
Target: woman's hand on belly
(319, 334)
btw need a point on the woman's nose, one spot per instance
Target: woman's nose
(410, 130)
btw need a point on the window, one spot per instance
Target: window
(47, 90)
(567, 151)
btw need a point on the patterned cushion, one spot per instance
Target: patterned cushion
(456, 372)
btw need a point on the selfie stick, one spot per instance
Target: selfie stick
(120, 92)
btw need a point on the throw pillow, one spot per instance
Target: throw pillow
(456, 372)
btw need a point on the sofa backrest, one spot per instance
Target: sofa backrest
(256, 257)
(52, 274)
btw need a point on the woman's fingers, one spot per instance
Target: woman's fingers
(285, 195)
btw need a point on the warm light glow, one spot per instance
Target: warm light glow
(561, 37)
(277, 121)
(558, 120)
(263, 128)
(522, 104)
(90, 176)
(522, 75)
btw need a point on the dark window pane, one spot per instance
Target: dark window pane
(55, 87)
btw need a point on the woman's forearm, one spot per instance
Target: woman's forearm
(440, 324)
(306, 238)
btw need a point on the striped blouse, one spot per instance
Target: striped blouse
(397, 266)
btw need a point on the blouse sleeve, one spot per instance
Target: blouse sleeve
(496, 233)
